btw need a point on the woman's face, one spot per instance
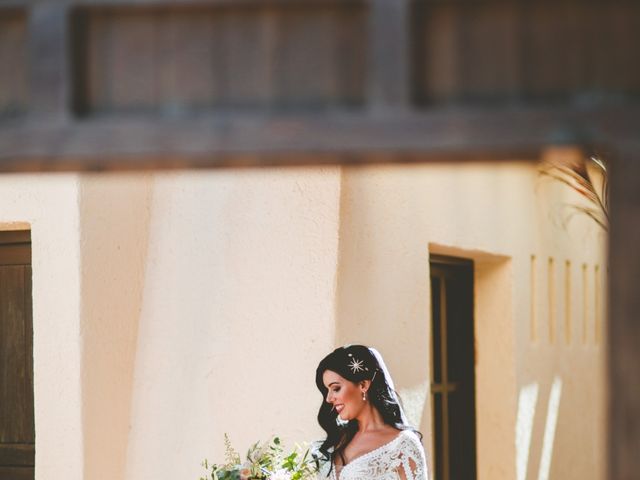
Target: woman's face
(344, 395)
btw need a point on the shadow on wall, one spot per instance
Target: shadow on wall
(114, 230)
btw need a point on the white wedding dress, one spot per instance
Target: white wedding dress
(403, 453)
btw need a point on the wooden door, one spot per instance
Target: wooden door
(17, 433)
(453, 369)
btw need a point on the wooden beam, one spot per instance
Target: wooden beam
(48, 61)
(389, 69)
(173, 3)
(130, 143)
(624, 325)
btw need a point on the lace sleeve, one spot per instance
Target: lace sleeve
(413, 463)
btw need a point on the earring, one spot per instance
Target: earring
(364, 396)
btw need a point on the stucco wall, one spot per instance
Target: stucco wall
(171, 308)
(114, 228)
(500, 216)
(208, 301)
(48, 205)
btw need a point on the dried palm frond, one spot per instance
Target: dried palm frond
(589, 178)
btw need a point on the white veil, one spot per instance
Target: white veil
(390, 385)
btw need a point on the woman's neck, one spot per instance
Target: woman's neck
(370, 419)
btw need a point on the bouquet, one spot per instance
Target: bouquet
(263, 461)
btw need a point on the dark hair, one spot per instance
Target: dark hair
(355, 363)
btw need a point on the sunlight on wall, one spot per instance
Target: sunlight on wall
(550, 429)
(524, 427)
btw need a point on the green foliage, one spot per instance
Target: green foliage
(230, 455)
(263, 461)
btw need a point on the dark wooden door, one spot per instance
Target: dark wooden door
(17, 433)
(453, 370)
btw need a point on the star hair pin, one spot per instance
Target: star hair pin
(356, 365)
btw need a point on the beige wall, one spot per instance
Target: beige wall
(207, 300)
(114, 234)
(392, 218)
(48, 204)
(171, 308)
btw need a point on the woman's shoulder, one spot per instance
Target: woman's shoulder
(411, 453)
(403, 454)
(409, 440)
(411, 435)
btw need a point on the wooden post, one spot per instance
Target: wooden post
(624, 313)
(49, 61)
(390, 79)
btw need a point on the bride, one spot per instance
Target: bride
(367, 432)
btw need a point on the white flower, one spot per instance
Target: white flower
(281, 474)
